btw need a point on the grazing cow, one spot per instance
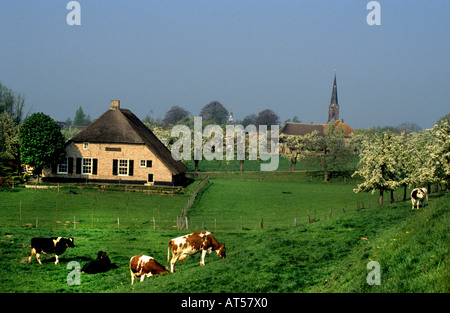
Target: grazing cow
(191, 244)
(417, 195)
(56, 245)
(144, 265)
(99, 265)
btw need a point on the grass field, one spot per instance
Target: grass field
(327, 255)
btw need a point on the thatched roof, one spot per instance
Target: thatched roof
(121, 126)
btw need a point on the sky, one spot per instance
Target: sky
(250, 55)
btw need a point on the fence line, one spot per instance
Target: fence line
(182, 222)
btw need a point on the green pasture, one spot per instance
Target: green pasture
(327, 255)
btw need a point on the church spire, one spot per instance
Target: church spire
(333, 110)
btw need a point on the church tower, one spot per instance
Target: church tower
(333, 110)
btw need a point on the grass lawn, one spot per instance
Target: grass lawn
(412, 247)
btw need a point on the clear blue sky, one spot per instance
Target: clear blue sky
(250, 55)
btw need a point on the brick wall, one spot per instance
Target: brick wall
(106, 153)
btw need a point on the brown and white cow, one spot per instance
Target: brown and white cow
(144, 265)
(417, 195)
(191, 244)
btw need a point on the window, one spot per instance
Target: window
(123, 167)
(87, 166)
(146, 163)
(85, 145)
(63, 166)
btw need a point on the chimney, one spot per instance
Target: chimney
(115, 104)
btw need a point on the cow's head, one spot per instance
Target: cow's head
(221, 251)
(420, 194)
(69, 242)
(102, 255)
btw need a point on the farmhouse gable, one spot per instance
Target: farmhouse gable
(118, 147)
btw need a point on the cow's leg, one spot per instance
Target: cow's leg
(172, 262)
(33, 252)
(57, 260)
(37, 258)
(142, 278)
(132, 276)
(202, 259)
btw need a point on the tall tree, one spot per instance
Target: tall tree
(439, 151)
(295, 148)
(377, 166)
(41, 141)
(174, 115)
(214, 113)
(12, 103)
(9, 146)
(267, 117)
(81, 119)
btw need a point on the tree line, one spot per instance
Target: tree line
(213, 113)
(389, 161)
(389, 158)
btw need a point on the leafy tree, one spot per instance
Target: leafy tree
(439, 151)
(267, 117)
(11, 103)
(214, 113)
(248, 120)
(444, 118)
(295, 148)
(408, 127)
(81, 119)
(377, 166)
(174, 115)
(41, 141)
(9, 146)
(332, 149)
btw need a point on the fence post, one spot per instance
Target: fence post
(330, 212)
(36, 222)
(154, 224)
(187, 225)
(262, 224)
(215, 224)
(74, 223)
(20, 213)
(118, 224)
(295, 221)
(241, 223)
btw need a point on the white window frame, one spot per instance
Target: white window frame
(60, 168)
(86, 166)
(144, 163)
(85, 145)
(122, 167)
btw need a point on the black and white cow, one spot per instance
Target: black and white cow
(417, 195)
(101, 264)
(56, 245)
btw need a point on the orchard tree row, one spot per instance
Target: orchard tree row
(389, 161)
